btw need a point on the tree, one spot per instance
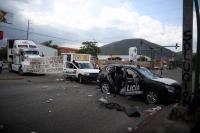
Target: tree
(55, 46)
(89, 48)
(3, 53)
(142, 58)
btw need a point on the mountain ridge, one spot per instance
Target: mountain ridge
(122, 47)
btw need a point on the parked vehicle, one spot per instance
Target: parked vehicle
(81, 68)
(18, 52)
(132, 80)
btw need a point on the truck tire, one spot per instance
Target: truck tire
(21, 71)
(10, 68)
(81, 81)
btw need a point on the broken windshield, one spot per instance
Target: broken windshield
(149, 74)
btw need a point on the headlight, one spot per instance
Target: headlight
(86, 73)
(170, 88)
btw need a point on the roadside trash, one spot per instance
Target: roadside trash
(49, 111)
(108, 93)
(1, 127)
(130, 130)
(102, 100)
(61, 79)
(113, 106)
(90, 95)
(57, 79)
(48, 101)
(151, 111)
(136, 128)
(157, 108)
(132, 112)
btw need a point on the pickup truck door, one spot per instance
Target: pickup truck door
(69, 69)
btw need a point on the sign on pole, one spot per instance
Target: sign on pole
(187, 52)
(6, 17)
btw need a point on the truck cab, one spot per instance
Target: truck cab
(18, 53)
(79, 66)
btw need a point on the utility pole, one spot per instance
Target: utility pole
(27, 30)
(197, 69)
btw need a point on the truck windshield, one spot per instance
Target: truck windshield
(32, 46)
(31, 53)
(85, 66)
(22, 46)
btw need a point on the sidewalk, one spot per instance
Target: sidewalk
(159, 123)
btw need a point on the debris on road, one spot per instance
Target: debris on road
(90, 95)
(102, 100)
(132, 112)
(151, 111)
(130, 130)
(111, 105)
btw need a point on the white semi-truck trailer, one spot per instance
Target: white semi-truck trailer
(18, 52)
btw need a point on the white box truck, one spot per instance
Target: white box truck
(18, 51)
(79, 66)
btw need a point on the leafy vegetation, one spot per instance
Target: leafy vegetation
(48, 44)
(89, 48)
(3, 53)
(142, 58)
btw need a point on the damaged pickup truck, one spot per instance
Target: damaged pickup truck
(132, 80)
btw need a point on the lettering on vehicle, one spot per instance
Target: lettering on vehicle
(69, 72)
(135, 87)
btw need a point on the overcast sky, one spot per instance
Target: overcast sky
(71, 22)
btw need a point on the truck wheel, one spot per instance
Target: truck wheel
(21, 71)
(105, 87)
(152, 96)
(81, 79)
(10, 68)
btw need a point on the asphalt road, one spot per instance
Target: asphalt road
(41, 104)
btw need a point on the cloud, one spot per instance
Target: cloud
(76, 21)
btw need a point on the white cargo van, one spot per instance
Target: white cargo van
(81, 68)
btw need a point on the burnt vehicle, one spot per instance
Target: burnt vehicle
(132, 80)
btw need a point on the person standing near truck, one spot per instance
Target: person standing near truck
(1, 65)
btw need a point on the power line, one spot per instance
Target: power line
(39, 34)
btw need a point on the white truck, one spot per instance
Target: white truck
(18, 51)
(81, 68)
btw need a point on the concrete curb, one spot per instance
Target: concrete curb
(150, 119)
